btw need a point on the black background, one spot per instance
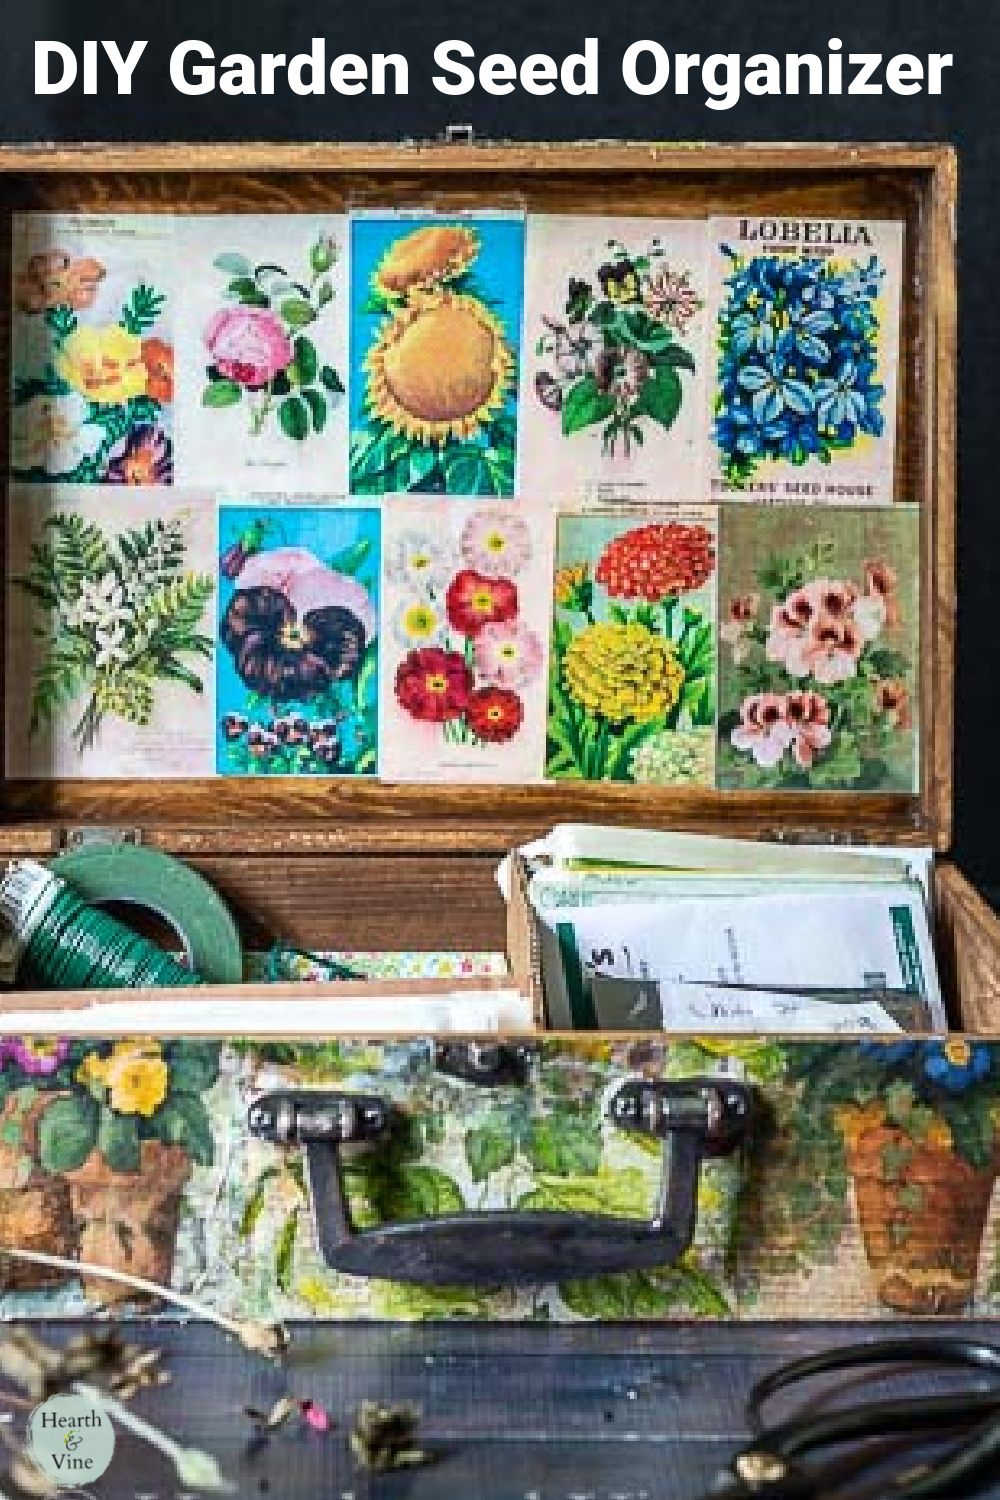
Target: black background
(967, 112)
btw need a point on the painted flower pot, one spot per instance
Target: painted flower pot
(35, 1210)
(128, 1220)
(922, 1212)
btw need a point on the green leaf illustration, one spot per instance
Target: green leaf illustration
(317, 408)
(297, 312)
(67, 1132)
(221, 393)
(660, 397)
(248, 292)
(585, 405)
(194, 1066)
(306, 362)
(233, 265)
(255, 1203)
(331, 380)
(352, 558)
(118, 1141)
(564, 1145)
(293, 416)
(183, 1121)
(284, 1258)
(488, 1147)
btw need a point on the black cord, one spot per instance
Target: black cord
(771, 1467)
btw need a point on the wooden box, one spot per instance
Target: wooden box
(355, 864)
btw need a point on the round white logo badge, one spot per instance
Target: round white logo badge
(71, 1440)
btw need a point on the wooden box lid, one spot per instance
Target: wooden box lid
(271, 816)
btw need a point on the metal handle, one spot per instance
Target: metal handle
(695, 1118)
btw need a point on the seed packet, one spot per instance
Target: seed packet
(632, 680)
(263, 352)
(613, 389)
(92, 349)
(819, 658)
(297, 681)
(804, 339)
(436, 305)
(466, 655)
(110, 638)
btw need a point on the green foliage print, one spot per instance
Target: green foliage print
(121, 614)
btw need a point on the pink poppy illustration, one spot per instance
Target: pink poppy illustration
(508, 654)
(248, 345)
(808, 716)
(763, 729)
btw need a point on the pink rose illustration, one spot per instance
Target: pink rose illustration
(763, 729)
(808, 716)
(248, 345)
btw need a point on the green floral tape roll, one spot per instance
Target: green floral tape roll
(127, 875)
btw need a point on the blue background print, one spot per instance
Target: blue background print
(330, 533)
(497, 274)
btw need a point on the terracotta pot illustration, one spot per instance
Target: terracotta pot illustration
(35, 1210)
(922, 1211)
(128, 1221)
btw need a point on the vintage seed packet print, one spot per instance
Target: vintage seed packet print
(110, 634)
(632, 675)
(262, 399)
(819, 655)
(436, 307)
(298, 667)
(804, 346)
(92, 383)
(466, 655)
(614, 370)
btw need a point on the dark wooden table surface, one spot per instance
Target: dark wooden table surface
(513, 1412)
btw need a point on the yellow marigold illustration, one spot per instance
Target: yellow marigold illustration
(104, 364)
(426, 258)
(93, 1070)
(569, 582)
(137, 1078)
(439, 369)
(622, 672)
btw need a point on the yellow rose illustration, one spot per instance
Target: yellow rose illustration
(137, 1078)
(104, 364)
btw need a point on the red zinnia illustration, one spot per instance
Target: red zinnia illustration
(473, 600)
(494, 714)
(433, 684)
(657, 562)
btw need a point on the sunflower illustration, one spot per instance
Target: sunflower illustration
(427, 258)
(439, 369)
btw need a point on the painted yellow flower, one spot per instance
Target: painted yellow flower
(104, 364)
(137, 1077)
(854, 1121)
(622, 672)
(570, 584)
(440, 368)
(426, 258)
(93, 1070)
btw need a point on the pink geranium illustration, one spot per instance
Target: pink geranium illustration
(808, 718)
(763, 729)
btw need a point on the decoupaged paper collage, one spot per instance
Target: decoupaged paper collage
(460, 497)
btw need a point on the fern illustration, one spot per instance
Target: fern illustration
(121, 614)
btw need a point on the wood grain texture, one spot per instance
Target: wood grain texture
(913, 182)
(969, 950)
(638, 1413)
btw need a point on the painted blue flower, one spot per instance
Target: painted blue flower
(838, 400)
(739, 430)
(955, 1065)
(803, 334)
(888, 1052)
(773, 390)
(753, 331)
